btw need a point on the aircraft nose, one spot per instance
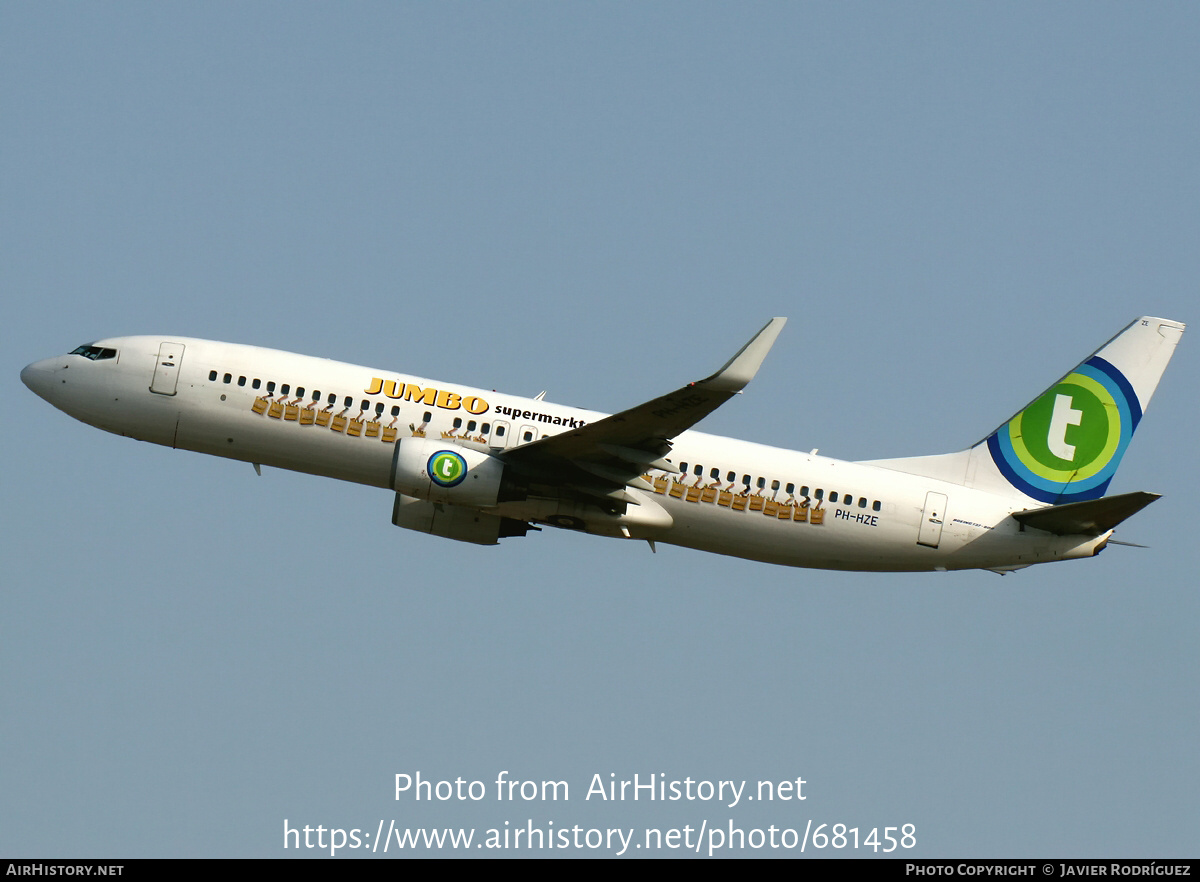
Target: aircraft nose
(39, 377)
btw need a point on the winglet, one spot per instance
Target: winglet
(740, 369)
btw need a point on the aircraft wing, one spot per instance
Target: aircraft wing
(600, 458)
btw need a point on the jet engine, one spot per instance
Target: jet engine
(444, 472)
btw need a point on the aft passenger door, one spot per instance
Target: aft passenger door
(166, 368)
(932, 520)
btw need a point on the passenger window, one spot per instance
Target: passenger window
(241, 381)
(803, 491)
(698, 470)
(485, 428)
(833, 496)
(499, 431)
(212, 375)
(271, 387)
(332, 399)
(791, 489)
(366, 405)
(228, 378)
(715, 474)
(299, 391)
(458, 424)
(379, 409)
(862, 502)
(774, 485)
(529, 436)
(683, 467)
(762, 482)
(875, 506)
(256, 384)
(396, 411)
(349, 401)
(471, 426)
(820, 494)
(283, 390)
(731, 477)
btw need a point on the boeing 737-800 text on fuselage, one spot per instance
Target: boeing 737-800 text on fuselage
(480, 466)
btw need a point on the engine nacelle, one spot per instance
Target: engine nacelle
(442, 472)
(454, 521)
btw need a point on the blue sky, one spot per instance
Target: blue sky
(953, 204)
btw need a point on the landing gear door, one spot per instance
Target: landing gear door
(166, 368)
(932, 519)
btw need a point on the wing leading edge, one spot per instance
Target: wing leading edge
(600, 458)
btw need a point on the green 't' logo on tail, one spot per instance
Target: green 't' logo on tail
(1067, 444)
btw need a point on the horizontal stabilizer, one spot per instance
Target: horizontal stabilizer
(1091, 517)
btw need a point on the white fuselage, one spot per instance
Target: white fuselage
(348, 422)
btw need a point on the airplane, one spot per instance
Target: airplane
(480, 466)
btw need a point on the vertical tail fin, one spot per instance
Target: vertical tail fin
(1066, 444)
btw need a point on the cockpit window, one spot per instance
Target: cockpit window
(95, 353)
